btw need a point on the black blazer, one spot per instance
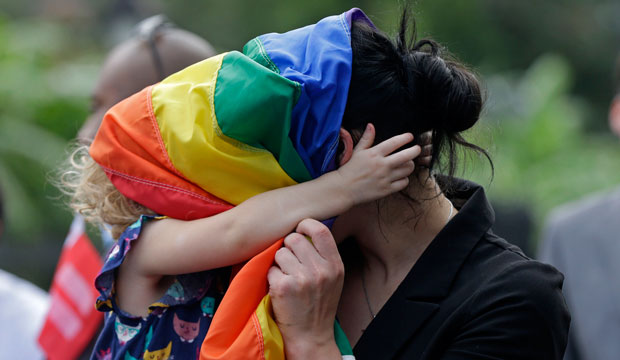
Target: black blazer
(471, 295)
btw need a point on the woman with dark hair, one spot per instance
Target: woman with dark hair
(426, 278)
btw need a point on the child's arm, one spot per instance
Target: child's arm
(169, 246)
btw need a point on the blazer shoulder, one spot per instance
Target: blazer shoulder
(524, 300)
(529, 278)
(503, 246)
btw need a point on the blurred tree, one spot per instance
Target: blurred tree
(541, 153)
(500, 35)
(232, 23)
(42, 102)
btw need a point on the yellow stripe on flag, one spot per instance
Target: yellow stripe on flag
(224, 167)
(272, 338)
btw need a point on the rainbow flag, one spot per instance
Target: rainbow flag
(228, 128)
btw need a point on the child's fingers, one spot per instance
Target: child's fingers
(402, 171)
(399, 184)
(390, 145)
(368, 138)
(404, 155)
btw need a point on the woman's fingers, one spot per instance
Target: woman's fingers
(301, 248)
(287, 261)
(426, 138)
(426, 141)
(275, 275)
(425, 158)
(322, 239)
(368, 138)
(392, 144)
(305, 301)
(427, 150)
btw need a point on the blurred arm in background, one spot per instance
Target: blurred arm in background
(23, 308)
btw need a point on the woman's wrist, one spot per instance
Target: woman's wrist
(302, 349)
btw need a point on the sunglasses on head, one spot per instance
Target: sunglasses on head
(147, 30)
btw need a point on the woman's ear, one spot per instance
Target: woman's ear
(614, 116)
(347, 145)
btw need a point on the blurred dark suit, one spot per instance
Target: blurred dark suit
(582, 240)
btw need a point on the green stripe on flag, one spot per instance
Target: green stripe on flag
(253, 105)
(255, 50)
(341, 340)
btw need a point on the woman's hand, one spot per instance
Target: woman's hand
(305, 285)
(426, 142)
(374, 172)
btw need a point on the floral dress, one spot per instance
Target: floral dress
(176, 324)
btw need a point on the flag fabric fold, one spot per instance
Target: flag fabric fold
(228, 128)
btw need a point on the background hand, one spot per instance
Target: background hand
(426, 142)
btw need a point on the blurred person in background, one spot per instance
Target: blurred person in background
(582, 239)
(157, 50)
(22, 310)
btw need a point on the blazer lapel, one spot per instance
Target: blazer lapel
(420, 294)
(401, 322)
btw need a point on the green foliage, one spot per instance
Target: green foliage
(41, 106)
(542, 155)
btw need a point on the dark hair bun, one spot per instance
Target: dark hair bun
(407, 86)
(444, 93)
(415, 88)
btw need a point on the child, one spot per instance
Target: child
(159, 291)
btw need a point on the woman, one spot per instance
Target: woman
(425, 276)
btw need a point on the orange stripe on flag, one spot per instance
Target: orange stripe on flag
(233, 333)
(129, 147)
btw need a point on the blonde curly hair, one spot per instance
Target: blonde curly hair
(92, 194)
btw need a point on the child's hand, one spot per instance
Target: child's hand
(374, 172)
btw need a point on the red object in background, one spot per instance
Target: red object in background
(72, 319)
